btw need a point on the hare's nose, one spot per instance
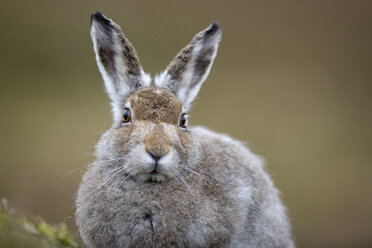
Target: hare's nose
(155, 157)
(157, 143)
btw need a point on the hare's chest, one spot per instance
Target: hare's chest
(143, 215)
(162, 229)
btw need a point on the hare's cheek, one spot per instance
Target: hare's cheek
(138, 159)
(120, 139)
(185, 145)
(129, 136)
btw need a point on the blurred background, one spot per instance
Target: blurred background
(292, 78)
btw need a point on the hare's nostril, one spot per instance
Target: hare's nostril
(156, 158)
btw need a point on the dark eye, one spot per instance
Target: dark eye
(183, 120)
(126, 116)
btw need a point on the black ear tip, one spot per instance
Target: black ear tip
(98, 16)
(214, 27)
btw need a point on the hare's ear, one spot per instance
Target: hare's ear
(117, 61)
(188, 70)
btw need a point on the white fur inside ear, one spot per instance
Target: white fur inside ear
(162, 79)
(146, 79)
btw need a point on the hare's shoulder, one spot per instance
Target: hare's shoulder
(226, 148)
(207, 136)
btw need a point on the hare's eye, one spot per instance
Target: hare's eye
(183, 120)
(127, 115)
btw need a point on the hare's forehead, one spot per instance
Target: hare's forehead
(157, 105)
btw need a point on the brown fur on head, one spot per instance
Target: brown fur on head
(156, 105)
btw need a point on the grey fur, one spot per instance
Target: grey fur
(214, 193)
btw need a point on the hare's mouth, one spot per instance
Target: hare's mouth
(153, 176)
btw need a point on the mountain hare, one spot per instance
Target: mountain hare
(158, 182)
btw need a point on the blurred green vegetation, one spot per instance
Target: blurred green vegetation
(19, 231)
(292, 78)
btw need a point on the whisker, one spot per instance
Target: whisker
(205, 177)
(196, 173)
(179, 175)
(108, 160)
(127, 178)
(111, 171)
(100, 162)
(73, 171)
(116, 174)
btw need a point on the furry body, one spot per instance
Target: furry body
(157, 182)
(234, 204)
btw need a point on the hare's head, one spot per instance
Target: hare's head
(149, 136)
